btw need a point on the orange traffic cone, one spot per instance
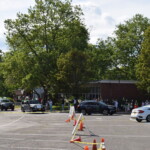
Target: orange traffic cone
(102, 144)
(78, 140)
(68, 120)
(86, 148)
(81, 126)
(73, 116)
(94, 147)
(75, 122)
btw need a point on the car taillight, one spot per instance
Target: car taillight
(141, 111)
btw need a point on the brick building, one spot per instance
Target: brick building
(114, 89)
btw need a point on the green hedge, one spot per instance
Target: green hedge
(59, 107)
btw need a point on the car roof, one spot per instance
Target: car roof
(88, 101)
(146, 106)
(143, 107)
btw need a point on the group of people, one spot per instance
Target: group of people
(147, 102)
(49, 104)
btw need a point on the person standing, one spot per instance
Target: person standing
(50, 103)
(62, 103)
(75, 103)
(116, 104)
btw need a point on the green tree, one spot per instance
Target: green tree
(143, 66)
(74, 71)
(37, 39)
(128, 39)
(4, 91)
(101, 56)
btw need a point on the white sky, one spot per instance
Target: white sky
(101, 16)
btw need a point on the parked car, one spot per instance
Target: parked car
(91, 106)
(32, 106)
(6, 104)
(141, 113)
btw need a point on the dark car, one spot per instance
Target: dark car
(32, 106)
(91, 106)
(6, 104)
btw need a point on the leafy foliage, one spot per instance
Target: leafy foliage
(143, 66)
(74, 71)
(37, 39)
(129, 37)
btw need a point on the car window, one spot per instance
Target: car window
(5, 101)
(102, 103)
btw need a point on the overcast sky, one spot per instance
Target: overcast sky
(101, 16)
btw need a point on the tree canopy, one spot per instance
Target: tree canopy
(143, 65)
(37, 39)
(128, 40)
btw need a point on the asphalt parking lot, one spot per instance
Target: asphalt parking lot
(49, 131)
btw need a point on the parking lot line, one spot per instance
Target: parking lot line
(10, 123)
(37, 148)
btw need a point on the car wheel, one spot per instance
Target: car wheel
(89, 113)
(111, 113)
(22, 109)
(83, 111)
(12, 109)
(148, 118)
(5, 109)
(1, 108)
(105, 112)
(31, 110)
(138, 120)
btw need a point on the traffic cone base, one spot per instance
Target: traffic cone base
(68, 120)
(77, 139)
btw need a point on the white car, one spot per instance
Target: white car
(141, 113)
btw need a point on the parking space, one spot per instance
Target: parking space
(49, 131)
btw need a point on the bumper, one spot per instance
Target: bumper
(7, 107)
(133, 117)
(112, 111)
(38, 109)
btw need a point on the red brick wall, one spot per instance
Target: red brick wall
(120, 90)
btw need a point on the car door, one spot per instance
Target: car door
(92, 107)
(102, 107)
(95, 107)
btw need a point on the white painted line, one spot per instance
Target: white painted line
(99, 118)
(134, 125)
(8, 124)
(37, 148)
(31, 140)
(10, 139)
(47, 135)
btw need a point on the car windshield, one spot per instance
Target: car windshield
(34, 102)
(5, 101)
(102, 103)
